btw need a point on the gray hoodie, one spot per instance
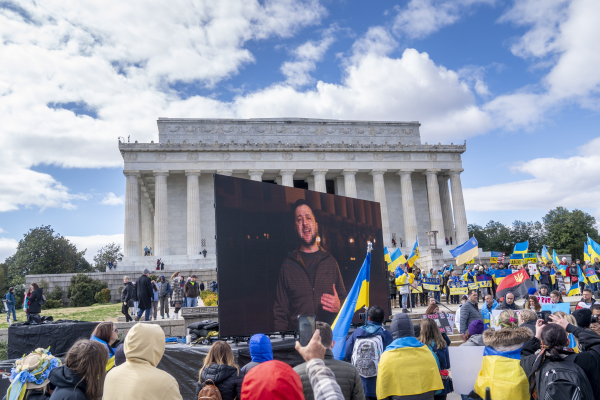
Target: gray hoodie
(475, 340)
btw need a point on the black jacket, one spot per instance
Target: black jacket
(144, 291)
(34, 301)
(227, 378)
(345, 374)
(127, 292)
(588, 359)
(530, 325)
(67, 385)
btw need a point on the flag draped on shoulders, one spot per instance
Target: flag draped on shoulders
(357, 298)
(501, 371)
(466, 251)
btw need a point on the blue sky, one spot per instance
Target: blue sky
(517, 79)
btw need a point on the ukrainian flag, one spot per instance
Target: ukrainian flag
(400, 276)
(466, 251)
(553, 276)
(593, 249)
(501, 371)
(396, 258)
(574, 290)
(386, 256)
(358, 297)
(557, 263)
(414, 254)
(521, 248)
(546, 255)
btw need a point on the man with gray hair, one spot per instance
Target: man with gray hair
(145, 292)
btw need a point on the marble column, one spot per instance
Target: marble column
(311, 182)
(147, 221)
(350, 182)
(435, 207)
(256, 174)
(132, 214)
(287, 177)
(319, 175)
(161, 215)
(140, 202)
(278, 181)
(225, 172)
(340, 189)
(379, 190)
(408, 207)
(194, 232)
(446, 207)
(460, 215)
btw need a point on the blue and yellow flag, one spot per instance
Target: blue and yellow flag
(466, 251)
(521, 248)
(546, 255)
(358, 297)
(557, 263)
(593, 249)
(501, 371)
(396, 258)
(574, 290)
(586, 254)
(414, 254)
(386, 256)
(553, 276)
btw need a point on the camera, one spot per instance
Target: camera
(545, 315)
(361, 315)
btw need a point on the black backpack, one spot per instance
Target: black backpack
(563, 380)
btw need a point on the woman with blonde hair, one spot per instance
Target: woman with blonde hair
(500, 368)
(432, 338)
(219, 369)
(533, 304)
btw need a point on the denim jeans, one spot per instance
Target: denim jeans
(592, 286)
(147, 316)
(14, 313)
(437, 296)
(405, 300)
(192, 301)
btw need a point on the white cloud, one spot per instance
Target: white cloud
(113, 200)
(7, 248)
(421, 18)
(94, 243)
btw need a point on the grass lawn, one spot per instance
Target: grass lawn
(96, 312)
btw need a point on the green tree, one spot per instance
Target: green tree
(42, 251)
(108, 253)
(535, 232)
(568, 230)
(498, 237)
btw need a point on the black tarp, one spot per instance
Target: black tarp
(59, 335)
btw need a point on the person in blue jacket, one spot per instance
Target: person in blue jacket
(486, 311)
(260, 351)
(374, 326)
(10, 305)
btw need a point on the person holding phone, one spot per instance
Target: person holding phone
(310, 281)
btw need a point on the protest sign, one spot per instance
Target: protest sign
(591, 276)
(441, 319)
(497, 257)
(561, 283)
(500, 274)
(564, 307)
(458, 287)
(472, 285)
(417, 286)
(484, 281)
(451, 319)
(466, 363)
(544, 299)
(530, 258)
(432, 284)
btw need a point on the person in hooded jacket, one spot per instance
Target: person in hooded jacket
(282, 383)
(138, 377)
(475, 334)
(374, 326)
(82, 376)
(551, 344)
(260, 351)
(508, 303)
(126, 297)
(34, 307)
(220, 368)
(407, 352)
(164, 291)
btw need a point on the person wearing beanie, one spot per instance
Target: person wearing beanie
(583, 317)
(407, 352)
(475, 334)
(544, 290)
(145, 292)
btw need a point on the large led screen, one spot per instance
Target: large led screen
(284, 252)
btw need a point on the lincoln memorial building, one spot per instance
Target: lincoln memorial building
(169, 202)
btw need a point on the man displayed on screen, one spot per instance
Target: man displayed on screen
(310, 282)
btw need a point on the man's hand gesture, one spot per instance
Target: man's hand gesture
(330, 302)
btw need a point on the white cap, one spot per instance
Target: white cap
(564, 259)
(445, 265)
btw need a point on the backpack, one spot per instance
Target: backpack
(42, 301)
(561, 380)
(209, 391)
(366, 354)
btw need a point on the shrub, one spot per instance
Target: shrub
(154, 278)
(120, 290)
(83, 289)
(102, 296)
(205, 293)
(3, 350)
(56, 293)
(44, 285)
(50, 304)
(211, 300)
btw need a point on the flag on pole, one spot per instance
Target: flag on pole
(521, 248)
(466, 251)
(396, 258)
(586, 254)
(593, 249)
(546, 255)
(557, 263)
(358, 297)
(414, 254)
(574, 290)
(517, 284)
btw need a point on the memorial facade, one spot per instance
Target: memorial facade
(169, 184)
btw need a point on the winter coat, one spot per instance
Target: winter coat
(283, 382)
(260, 351)
(486, 313)
(227, 378)
(392, 285)
(475, 340)
(191, 289)
(469, 312)
(368, 330)
(530, 325)
(500, 366)
(134, 295)
(67, 383)
(297, 295)
(138, 377)
(345, 375)
(177, 292)
(34, 306)
(144, 290)
(155, 294)
(506, 306)
(127, 292)
(164, 289)
(10, 299)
